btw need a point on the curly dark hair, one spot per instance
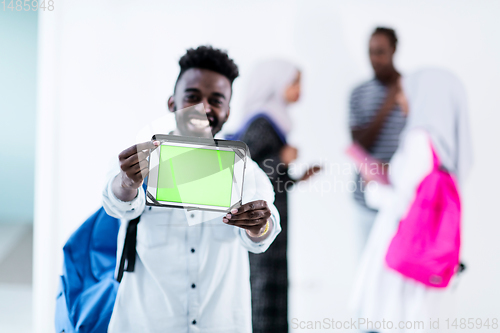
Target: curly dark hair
(207, 57)
(389, 33)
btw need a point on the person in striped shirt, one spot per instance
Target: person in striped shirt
(375, 118)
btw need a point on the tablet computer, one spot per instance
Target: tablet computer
(196, 173)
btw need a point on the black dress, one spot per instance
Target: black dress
(268, 270)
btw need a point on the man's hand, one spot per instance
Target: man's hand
(134, 168)
(251, 216)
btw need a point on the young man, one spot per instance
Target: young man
(375, 118)
(190, 279)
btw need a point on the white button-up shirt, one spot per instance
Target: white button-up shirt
(188, 279)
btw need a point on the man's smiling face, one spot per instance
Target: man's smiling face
(197, 86)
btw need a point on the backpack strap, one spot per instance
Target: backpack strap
(437, 161)
(435, 157)
(128, 253)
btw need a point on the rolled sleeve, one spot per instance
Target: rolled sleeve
(127, 210)
(262, 246)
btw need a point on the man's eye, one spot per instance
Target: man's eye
(190, 97)
(216, 102)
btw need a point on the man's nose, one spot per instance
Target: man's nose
(206, 106)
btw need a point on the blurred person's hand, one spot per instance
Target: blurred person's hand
(393, 91)
(400, 98)
(288, 154)
(310, 172)
(134, 168)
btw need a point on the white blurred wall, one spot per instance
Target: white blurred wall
(107, 68)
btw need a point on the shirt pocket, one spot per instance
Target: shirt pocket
(154, 227)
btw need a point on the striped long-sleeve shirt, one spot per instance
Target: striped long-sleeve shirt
(366, 100)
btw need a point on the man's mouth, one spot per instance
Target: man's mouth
(199, 123)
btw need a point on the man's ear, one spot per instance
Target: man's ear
(227, 114)
(171, 104)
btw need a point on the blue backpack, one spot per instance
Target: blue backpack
(87, 288)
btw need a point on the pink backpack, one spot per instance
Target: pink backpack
(427, 244)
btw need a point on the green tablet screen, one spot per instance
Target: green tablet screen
(195, 176)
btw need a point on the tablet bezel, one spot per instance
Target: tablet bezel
(238, 147)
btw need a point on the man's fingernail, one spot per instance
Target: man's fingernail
(156, 143)
(224, 220)
(234, 211)
(228, 216)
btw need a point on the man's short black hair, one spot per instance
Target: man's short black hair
(390, 33)
(207, 57)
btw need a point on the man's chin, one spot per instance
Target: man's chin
(197, 132)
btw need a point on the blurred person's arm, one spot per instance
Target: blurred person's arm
(377, 194)
(288, 154)
(366, 135)
(257, 137)
(410, 164)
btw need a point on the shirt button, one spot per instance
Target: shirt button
(150, 208)
(193, 286)
(194, 322)
(192, 215)
(192, 250)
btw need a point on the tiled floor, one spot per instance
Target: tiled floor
(16, 245)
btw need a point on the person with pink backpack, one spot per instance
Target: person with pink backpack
(413, 251)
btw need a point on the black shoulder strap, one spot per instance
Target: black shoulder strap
(128, 253)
